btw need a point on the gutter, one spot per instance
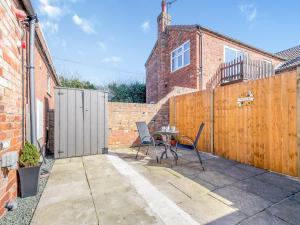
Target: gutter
(40, 38)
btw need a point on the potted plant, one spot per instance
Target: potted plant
(29, 170)
(173, 140)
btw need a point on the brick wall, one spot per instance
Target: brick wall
(11, 110)
(122, 118)
(10, 97)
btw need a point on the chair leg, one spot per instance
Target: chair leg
(147, 149)
(137, 152)
(199, 157)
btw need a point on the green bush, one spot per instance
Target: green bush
(30, 156)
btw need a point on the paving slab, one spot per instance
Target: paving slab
(264, 218)
(288, 210)
(66, 198)
(281, 181)
(216, 178)
(246, 202)
(218, 163)
(115, 199)
(252, 169)
(209, 210)
(266, 191)
(238, 173)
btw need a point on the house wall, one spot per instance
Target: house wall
(41, 92)
(11, 109)
(160, 80)
(213, 54)
(10, 98)
(187, 76)
(152, 76)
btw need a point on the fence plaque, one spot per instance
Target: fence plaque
(245, 99)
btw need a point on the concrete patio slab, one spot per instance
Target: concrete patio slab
(266, 191)
(264, 218)
(238, 173)
(208, 210)
(246, 202)
(118, 189)
(216, 178)
(66, 198)
(288, 210)
(283, 182)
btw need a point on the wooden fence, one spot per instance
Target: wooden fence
(252, 122)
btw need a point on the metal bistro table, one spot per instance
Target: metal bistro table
(168, 134)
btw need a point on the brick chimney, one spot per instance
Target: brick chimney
(164, 19)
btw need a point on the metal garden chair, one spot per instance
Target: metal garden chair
(193, 143)
(147, 139)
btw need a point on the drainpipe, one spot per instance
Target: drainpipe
(32, 22)
(201, 58)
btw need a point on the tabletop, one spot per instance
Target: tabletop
(167, 132)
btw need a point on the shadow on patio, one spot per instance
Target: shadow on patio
(227, 192)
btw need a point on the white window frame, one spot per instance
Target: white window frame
(236, 52)
(183, 51)
(48, 84)
(266, 61)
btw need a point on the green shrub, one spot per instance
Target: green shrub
(30, 156)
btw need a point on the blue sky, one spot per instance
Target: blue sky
(109, 40)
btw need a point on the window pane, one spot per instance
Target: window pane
(230, 55)
(186, 57)
(179, 61)
(187, 46)
(173, 64)
(174, 54)
(179, 51)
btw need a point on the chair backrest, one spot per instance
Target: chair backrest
(199, 133)
(143, 131)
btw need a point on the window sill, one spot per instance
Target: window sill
(180, 68)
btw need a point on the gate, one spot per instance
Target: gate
(80, 122)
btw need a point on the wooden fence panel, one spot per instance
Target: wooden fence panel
(188, 111)
(262, 132)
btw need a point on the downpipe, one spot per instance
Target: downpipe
(32, 22)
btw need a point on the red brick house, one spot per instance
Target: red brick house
(15, 86)
(189, 55)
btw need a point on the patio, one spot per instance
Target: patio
(117, 189)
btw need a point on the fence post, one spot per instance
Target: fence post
(212, 121)
(298, 118)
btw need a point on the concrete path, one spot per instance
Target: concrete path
(117, 189)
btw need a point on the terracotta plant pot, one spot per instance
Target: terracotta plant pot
(173, 142)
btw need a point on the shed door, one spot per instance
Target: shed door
(80, 122)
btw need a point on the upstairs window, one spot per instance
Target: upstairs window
(180, 57)
(231, 54)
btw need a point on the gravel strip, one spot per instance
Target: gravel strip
(26, 206)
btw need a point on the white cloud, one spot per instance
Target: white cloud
(101, 45)
(248, 10)
(112, 60)
(49, 27)
(46, 8)
(145, 26)
(83, 24)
